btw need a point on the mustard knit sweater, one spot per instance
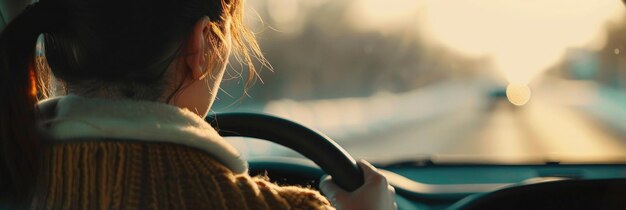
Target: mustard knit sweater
(124, 154)
(122, 175)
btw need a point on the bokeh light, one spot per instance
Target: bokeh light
(518, 94)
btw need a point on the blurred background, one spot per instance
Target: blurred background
(507, 81)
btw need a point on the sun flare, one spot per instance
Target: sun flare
(523, 38)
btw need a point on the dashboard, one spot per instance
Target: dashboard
(441, 186)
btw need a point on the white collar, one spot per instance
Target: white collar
(78, 117)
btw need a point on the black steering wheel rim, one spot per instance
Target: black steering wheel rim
(319, 148)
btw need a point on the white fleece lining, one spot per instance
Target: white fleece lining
(92, 118)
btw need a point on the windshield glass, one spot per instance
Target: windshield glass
(449, 80)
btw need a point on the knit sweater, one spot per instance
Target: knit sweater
(124, 154)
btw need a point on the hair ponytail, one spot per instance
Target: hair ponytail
(19, 141)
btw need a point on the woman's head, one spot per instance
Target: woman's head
(163, 50)
(139, 49)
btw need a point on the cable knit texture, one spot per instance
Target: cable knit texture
(136, 175)
(86, 166)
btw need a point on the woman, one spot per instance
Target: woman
(140, 76)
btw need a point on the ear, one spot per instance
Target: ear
(197, 47)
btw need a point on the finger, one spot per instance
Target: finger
(372, 175)
(367, 168)
(329, 188)
(392, 193)
(391, 190)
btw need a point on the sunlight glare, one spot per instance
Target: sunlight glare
(523, 38)
(286, 15)
(518, 94)
(383, 16)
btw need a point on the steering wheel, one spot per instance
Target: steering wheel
(322, 150)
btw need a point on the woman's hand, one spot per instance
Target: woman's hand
(375, 194)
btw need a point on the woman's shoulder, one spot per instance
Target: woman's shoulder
(127, 174)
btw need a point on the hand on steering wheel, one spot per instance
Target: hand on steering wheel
(375, 194)
(327, 154)
(352, 187)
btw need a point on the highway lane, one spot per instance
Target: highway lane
(458, 121)
(540, 131)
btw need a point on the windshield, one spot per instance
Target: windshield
(449, 80)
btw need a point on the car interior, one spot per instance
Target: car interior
(421, 181)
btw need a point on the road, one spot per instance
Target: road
(457, 122)
(504, 133)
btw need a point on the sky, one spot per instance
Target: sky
(522, 37)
